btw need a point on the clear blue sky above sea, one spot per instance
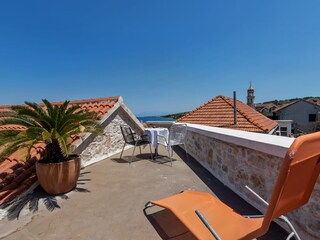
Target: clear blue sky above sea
(162, 56)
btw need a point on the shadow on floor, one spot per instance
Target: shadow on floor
(160, 220)
(31, 201)
(161, 159)
(135, 158)
(168, 226)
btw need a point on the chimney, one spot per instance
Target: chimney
(235, 108)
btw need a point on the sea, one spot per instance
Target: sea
(155, 119)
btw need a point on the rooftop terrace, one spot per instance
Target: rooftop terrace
(108, 202)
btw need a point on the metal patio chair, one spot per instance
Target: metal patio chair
(131, 138)
(177, 136)
(208, 218)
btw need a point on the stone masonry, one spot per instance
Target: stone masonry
(111, 141)
(237, 166)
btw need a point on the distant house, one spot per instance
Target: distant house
(304, 115)
(17, 176)
(314, 100)
(284, 128)
(219, 112)
(266, 108)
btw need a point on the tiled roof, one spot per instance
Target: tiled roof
(265, 105)
(219, 112)
(286, 105)
(296, 101)
(16, 175)
(315, 100)
(98, 105)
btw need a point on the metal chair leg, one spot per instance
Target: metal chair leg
(168, 149)
(170, 154)
(140, 149)
(132, 154)
(150, 150)
(294, 232)
(122, 150)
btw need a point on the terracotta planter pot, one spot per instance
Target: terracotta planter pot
(59, 178)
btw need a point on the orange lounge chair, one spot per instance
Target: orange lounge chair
(209, 218)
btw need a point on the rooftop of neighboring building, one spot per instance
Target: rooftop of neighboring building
(308, 101)
(219, 112)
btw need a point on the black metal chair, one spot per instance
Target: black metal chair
(133, 139)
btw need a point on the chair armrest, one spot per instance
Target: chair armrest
(145, 137)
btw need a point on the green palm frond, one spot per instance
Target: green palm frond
(73, 109)
(11, 148)
(63, 143)
(26, 111)
(48, 105)
(53, 125)
(38, 109)
(31, 145)
(19, 120)
(7, 133)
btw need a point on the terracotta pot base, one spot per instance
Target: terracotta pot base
(59, 178)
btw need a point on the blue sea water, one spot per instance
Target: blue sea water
(155, 119)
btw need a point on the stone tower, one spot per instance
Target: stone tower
(250, 96)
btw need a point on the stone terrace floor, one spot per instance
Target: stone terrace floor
(109, 200)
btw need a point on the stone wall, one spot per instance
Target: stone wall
(111, 141)
(237, 166)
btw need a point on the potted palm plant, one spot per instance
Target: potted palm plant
(53, 126)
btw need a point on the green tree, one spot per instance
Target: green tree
(54, 127)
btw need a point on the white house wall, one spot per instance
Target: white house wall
(299, 113)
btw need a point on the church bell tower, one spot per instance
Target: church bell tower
(250, 96)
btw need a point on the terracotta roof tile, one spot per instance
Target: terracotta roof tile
(17, 176)
(219, 112)
(98, 105)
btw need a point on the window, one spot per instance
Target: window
(312, 117)
(283, 131)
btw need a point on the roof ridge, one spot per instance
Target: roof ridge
(5, 106)
(114, 98)
(82, 101)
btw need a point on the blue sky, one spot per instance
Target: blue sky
(162, 56)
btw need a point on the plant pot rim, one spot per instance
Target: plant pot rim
(74, 157)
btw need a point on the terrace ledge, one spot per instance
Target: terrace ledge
(269, 144)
